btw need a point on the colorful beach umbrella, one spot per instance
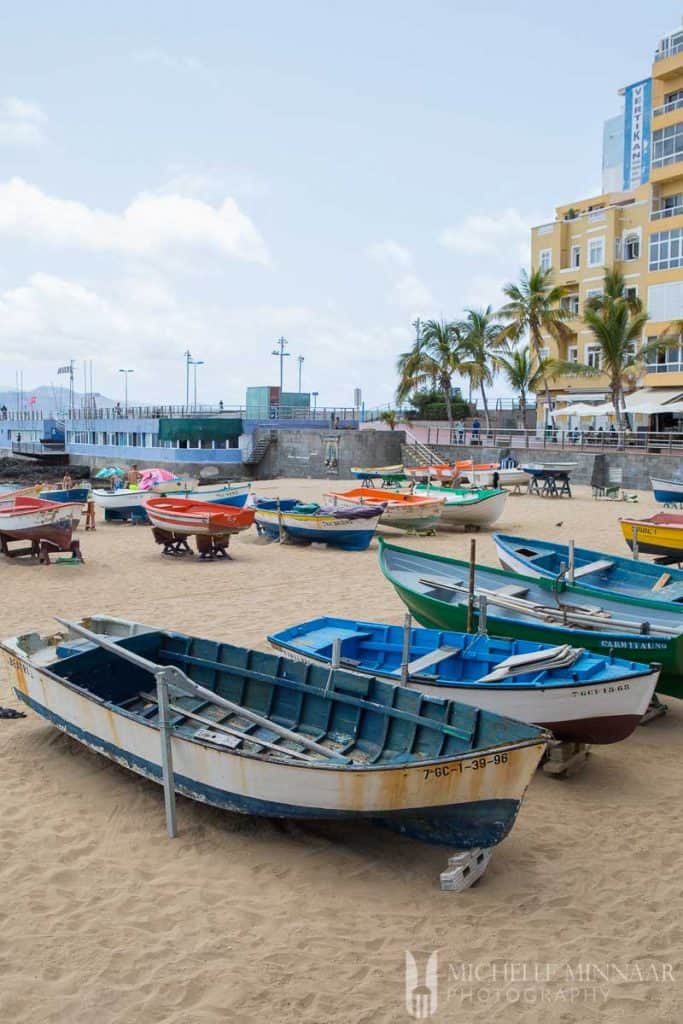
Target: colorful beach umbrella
(107, 472)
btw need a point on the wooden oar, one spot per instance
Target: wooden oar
(563, 613)
(176, 677)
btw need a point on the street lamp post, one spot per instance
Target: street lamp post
(315, 399)
(125, 388)
(300, 360)
(280, 352)
(188, 360)
(196, 363)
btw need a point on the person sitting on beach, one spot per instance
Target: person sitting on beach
(133, 478)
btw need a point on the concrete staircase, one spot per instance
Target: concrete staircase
(259, 450)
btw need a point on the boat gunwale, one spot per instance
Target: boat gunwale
(506, 746)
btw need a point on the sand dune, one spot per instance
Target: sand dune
(238, 920)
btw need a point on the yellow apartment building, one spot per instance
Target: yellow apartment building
(636, 225)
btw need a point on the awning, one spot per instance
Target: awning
(653, 400)
(580, 409)
(199, 428)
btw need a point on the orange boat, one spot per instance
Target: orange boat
(444, 470)
(402, 511)
(197, 518)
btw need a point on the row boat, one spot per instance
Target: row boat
(447, 470)
(197, 518)
(388, 473)
(593, 570)
(349, 528)
(669, 492)
(260, 734)
(35, 519)
(220, 494)
(69, 494)
(660, 534)
(466, 507)
(513, 476)
(417, 513)
(539, 468)
(435, 589)
(580, 696)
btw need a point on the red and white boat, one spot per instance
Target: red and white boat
(197, 518)
(37, 520)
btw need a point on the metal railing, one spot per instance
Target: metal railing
(37, 448)
(557, 439)
(666, 108)
(666, 211)
(668, 51)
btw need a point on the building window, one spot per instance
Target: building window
(573, 353)
(576, 256)
(545, 259)
(596, 252)
(631, 292)
(593, 356)
(631, 247)
(665, 360)
(544, 353)
(593, 293)
(570, 304)
(669, 206)
(665, 249)
(667, 145)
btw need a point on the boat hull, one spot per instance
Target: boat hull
(653, 538)
(669, 492)
(52, 523)
(468, 801)
(121, 500)
(465, 508)
(342, 533)
(199, 519)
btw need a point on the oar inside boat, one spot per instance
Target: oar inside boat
(173, 679)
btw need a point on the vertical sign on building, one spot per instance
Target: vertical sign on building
(637, 107)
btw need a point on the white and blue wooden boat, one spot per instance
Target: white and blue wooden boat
(286, 519)
(68, 494)
(221, 494)
(593, 570)
(579, 696)
(122, 504)
(669, 492)
(304, 743)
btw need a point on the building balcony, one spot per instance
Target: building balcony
(668, 62)
(667, 108)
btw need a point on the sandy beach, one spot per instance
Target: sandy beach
(242, 920)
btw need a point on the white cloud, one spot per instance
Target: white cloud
(505, 234)
(149, 226)
(21, 122)
(412, 294)
(485, 290)
(391, 255)
(174, 62)
(139, 323)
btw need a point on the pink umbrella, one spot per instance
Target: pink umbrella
(151, 477)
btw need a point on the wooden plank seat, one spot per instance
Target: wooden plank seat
(599, 565)
(431, 658)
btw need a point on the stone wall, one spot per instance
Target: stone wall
(637, 467)
(312, 453)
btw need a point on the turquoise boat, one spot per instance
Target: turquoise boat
(609, 575)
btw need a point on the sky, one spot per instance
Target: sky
(208, 177)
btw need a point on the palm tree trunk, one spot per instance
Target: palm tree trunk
(486, 407)
(522, 410)
(446, 388)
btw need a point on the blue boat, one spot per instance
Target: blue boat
(579, 695)
(260, 734)
(607, 575)
(668, 492)
(349, 528)
(67, 494)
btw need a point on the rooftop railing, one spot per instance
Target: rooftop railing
(554, 439)
(669, 51)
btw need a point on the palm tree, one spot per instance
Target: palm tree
(481, 335)
(434, 358)
(616, 323)
(523, 373)
(533, 308)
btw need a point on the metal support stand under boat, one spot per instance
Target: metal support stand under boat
(464, 869)
(405, 656)
(656, 708)
(470, 588)
(634, 543)
(166, 751)
(481, 627)
(335, 663)
(565, 759)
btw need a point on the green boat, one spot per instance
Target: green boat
(435, 589)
